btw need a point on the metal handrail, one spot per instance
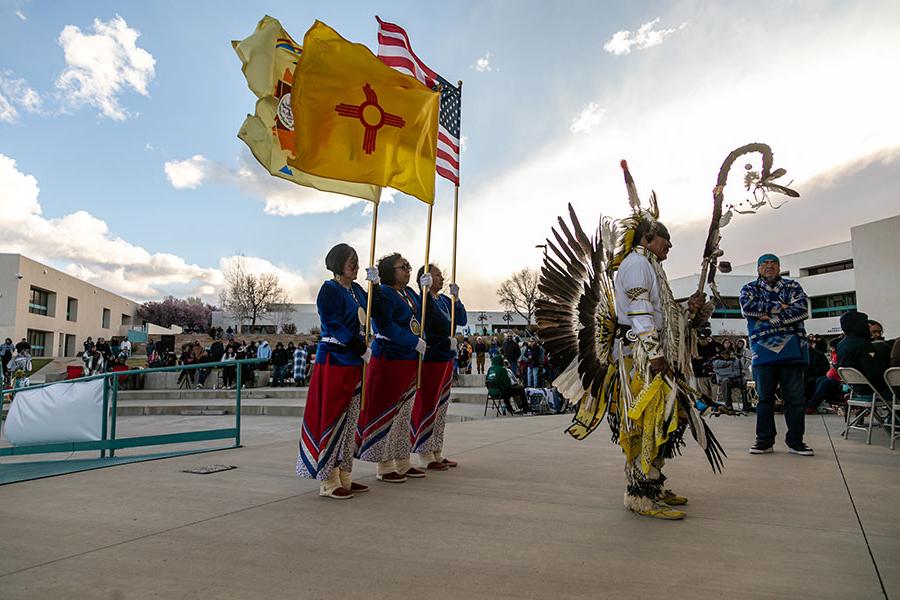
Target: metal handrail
(108, 439)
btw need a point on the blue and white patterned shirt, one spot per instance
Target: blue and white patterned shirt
(780, 339)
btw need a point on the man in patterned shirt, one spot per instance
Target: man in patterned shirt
(775, 309)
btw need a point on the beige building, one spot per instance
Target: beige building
(56, 312)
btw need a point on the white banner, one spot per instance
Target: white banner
(63, 412)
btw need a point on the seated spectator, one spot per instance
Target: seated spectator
(895, 353)
(857, 351)
(707, 349)
(727, 369)
(501, 383)
(817, 368)
(882, 347)
(202, 374)
(829, 388)
(229, 373)
(186, 376)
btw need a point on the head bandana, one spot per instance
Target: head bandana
(766, 257)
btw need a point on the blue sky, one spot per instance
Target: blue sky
(553, 97)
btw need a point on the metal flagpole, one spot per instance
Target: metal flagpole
(362, 399)
(455, 221)
(425, 292)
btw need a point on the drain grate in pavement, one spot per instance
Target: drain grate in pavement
(209, 469)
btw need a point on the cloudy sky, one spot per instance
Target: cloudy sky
(119, 160)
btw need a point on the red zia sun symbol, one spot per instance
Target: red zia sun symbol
(372, 117)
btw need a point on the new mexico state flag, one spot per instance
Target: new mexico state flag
(361, 120)
(269, 57)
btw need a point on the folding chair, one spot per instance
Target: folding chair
(892, 378)
(495, 402)
(868, 403)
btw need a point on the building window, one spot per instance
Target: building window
(844, 265)
(72, 309)
(38, 340)
(106, 316)
(728, 308)
(833, 305)
(126, 320)
(40, 302)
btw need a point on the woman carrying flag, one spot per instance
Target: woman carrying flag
(382, 435)
(429, 413)
(332, 404)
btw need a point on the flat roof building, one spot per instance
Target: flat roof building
(55, 311)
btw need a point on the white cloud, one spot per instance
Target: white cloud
(16, 92)
(103, 65)
(622, 42)
(463, 143)
(8, 113)
(21, 15)
(589, 118)
(483, 64)
(188, 173)
(85, 247)
(281, 198)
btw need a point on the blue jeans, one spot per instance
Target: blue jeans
(768, 377)
(532, 376)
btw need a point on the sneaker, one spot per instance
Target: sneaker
(760, 448)
(801, 449)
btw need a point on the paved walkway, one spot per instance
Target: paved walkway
(529, 513)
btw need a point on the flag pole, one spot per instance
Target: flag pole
(362, 399)
(453, 299)
(425, 292)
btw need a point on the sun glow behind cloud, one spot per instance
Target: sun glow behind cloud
(819, 104)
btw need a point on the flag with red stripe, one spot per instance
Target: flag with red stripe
(395, 50)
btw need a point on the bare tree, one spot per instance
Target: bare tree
(247, 295)
(520, 293)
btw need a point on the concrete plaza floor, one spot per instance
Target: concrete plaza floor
(529, 513)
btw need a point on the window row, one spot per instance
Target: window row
(43, 302)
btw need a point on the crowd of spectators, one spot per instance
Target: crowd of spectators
(722, 366)
(290, 365)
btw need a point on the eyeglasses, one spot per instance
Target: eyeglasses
(405, 266)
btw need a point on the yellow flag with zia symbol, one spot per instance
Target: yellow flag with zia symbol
(269, 57)
(363, 121)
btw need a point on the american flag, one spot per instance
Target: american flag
(395, 51)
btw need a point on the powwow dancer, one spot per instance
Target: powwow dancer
(332, 404)
(624, 347)
(382, 435)
(429, 414)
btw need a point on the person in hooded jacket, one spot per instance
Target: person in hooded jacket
(857, 351)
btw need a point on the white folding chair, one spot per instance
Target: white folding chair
(892, 378)
(867, 403)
